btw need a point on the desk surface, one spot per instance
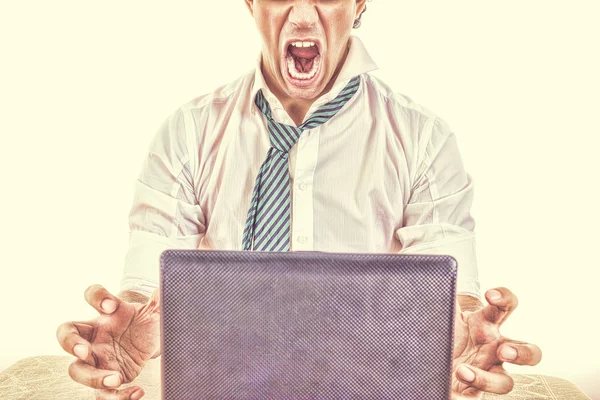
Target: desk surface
(46, 378)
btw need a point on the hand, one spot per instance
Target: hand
(113, 348)
(480, 349)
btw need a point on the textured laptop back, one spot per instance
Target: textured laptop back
(253, 325)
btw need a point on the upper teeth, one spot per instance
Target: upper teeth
(303, 44)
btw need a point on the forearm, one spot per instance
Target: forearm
(468, 303)
(133, 297)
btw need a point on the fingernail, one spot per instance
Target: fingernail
(466, 374)
(111, 381)
(137, 395)
(494, 295)
(109, 306)
(80, 351)
(508, 353)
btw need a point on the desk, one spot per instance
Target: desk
(46, 378)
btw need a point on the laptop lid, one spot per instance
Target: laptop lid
(306, 325)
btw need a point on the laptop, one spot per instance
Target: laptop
(306, 325)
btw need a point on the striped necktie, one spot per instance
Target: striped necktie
(268, 223)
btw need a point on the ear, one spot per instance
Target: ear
(250, 5)
(360, 7)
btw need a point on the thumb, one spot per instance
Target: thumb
(155, 297)
(153, 304)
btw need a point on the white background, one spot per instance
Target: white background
(84, 86)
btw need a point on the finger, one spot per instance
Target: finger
(74, 339)
(496, 380)
(502, 302)
(93, 377)
(519, 353)
(130, 393)
(101, 299)
(84, 330)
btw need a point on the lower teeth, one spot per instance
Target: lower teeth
(302, 75)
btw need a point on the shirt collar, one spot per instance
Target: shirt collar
(357, 62)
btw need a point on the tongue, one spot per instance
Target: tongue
(304, 52)
(304, 57)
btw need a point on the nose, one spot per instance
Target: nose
(304, 14)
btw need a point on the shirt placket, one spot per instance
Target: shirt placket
(306, 153)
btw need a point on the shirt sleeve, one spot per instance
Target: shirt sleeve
(165, 212)
(437, 218)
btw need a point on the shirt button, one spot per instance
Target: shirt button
(302, 239)
(302, 186)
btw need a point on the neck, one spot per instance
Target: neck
(298, 108)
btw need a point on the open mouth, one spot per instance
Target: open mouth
(303, 61)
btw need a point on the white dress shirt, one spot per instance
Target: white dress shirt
(384, 175)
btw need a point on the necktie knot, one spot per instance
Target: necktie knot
(283, 137)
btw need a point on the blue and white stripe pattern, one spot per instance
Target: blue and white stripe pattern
(268, 223)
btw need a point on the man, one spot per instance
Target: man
(308, 152)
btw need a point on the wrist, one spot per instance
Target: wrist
(468, 303)
(133, 297)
